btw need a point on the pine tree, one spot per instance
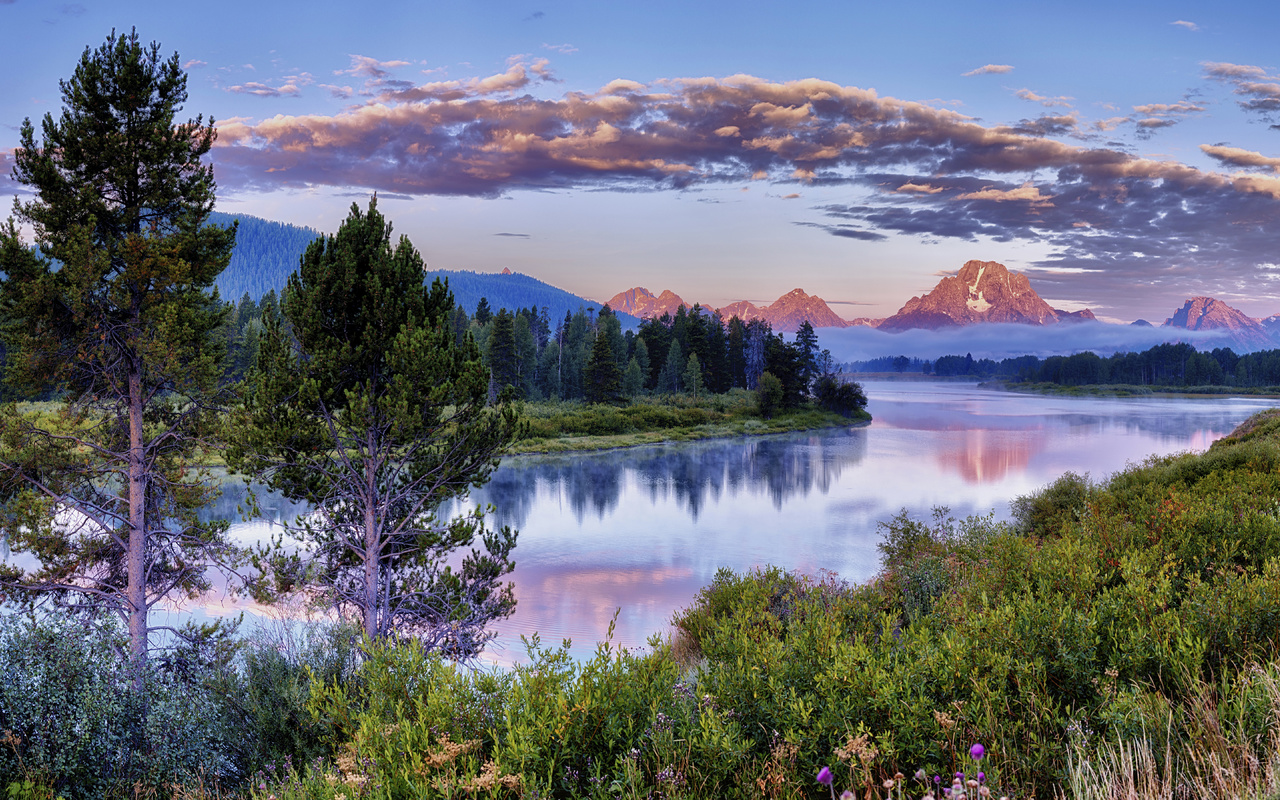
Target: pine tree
(632, 379)
(670, 378)
(366, 407)
(601, 380)
(116, 312)
(693, 376)
(483, 312)
(501, 351)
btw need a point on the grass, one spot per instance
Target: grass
(567, 426)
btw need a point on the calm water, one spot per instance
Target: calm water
(643, 529)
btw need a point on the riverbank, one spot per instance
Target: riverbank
(1129, 390)
(723, 426)
(574, 426)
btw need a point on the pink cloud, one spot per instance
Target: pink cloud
(989, 69)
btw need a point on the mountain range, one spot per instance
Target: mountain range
(784, 314)
(267, 252)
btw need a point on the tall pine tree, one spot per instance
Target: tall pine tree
(366, 407)
(116, 314)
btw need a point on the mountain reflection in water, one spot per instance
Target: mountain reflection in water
(644, 529)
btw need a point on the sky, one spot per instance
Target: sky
(1124, 155)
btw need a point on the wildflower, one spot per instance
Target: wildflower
(982, 777)
(977, 752)
(920, 776)
(937, 779)
(888, 784)
(846, 795)
(825, 777)
(984, 791)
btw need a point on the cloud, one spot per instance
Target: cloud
(194, 63)
(515, 235)
(1182, 23)
(535, 15)
(1236, 157)
(291, 87)
(846, 231)
(1260, 89)
(72, 9)
(1121, 220)
(1025, 193)
(1048, 102)
(366, 67)
(989, 69)
(565, 49)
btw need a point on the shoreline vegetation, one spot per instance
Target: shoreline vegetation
(1130, 390)
(568, 426)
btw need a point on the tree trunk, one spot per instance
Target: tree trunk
(371, 553)
(136, 592)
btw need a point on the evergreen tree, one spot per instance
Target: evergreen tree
(602, 379)
(116, 312)
(504, 368)
(641, 356)
(632, 379)
(364, 406)
(693, 376)
(806, 345)
(526, 356)
(671, 376)
(483, 312)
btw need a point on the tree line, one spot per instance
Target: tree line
(587, 355)
(1168, 364)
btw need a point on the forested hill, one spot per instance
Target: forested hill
(266, 252)
(514, 291)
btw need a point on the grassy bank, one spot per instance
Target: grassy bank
(557, 427)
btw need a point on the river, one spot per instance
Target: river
(639, 531)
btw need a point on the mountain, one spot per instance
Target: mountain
(513, 290)
(784, 314)
(1210, 314)
(640, 302)
(265, 254)
(983, 291)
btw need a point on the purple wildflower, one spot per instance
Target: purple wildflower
(977, 752)
(825, 777)
(982, 777)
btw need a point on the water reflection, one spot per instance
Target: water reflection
(688, 476)
(644, 529)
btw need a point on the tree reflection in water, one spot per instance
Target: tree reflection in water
(694, 474)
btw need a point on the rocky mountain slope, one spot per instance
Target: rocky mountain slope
(784, 314)
(983, 291)
(1211, 314)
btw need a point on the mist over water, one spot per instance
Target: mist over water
(643, 529)
(1006, 340)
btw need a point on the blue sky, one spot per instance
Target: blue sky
(1123, 155)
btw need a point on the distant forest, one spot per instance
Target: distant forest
(1171, 365)
(265, 253)
(518, 291)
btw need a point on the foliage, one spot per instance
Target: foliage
(72, 722)
(770, 395)
(115, 314)
(364, 404)
(845, 398)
